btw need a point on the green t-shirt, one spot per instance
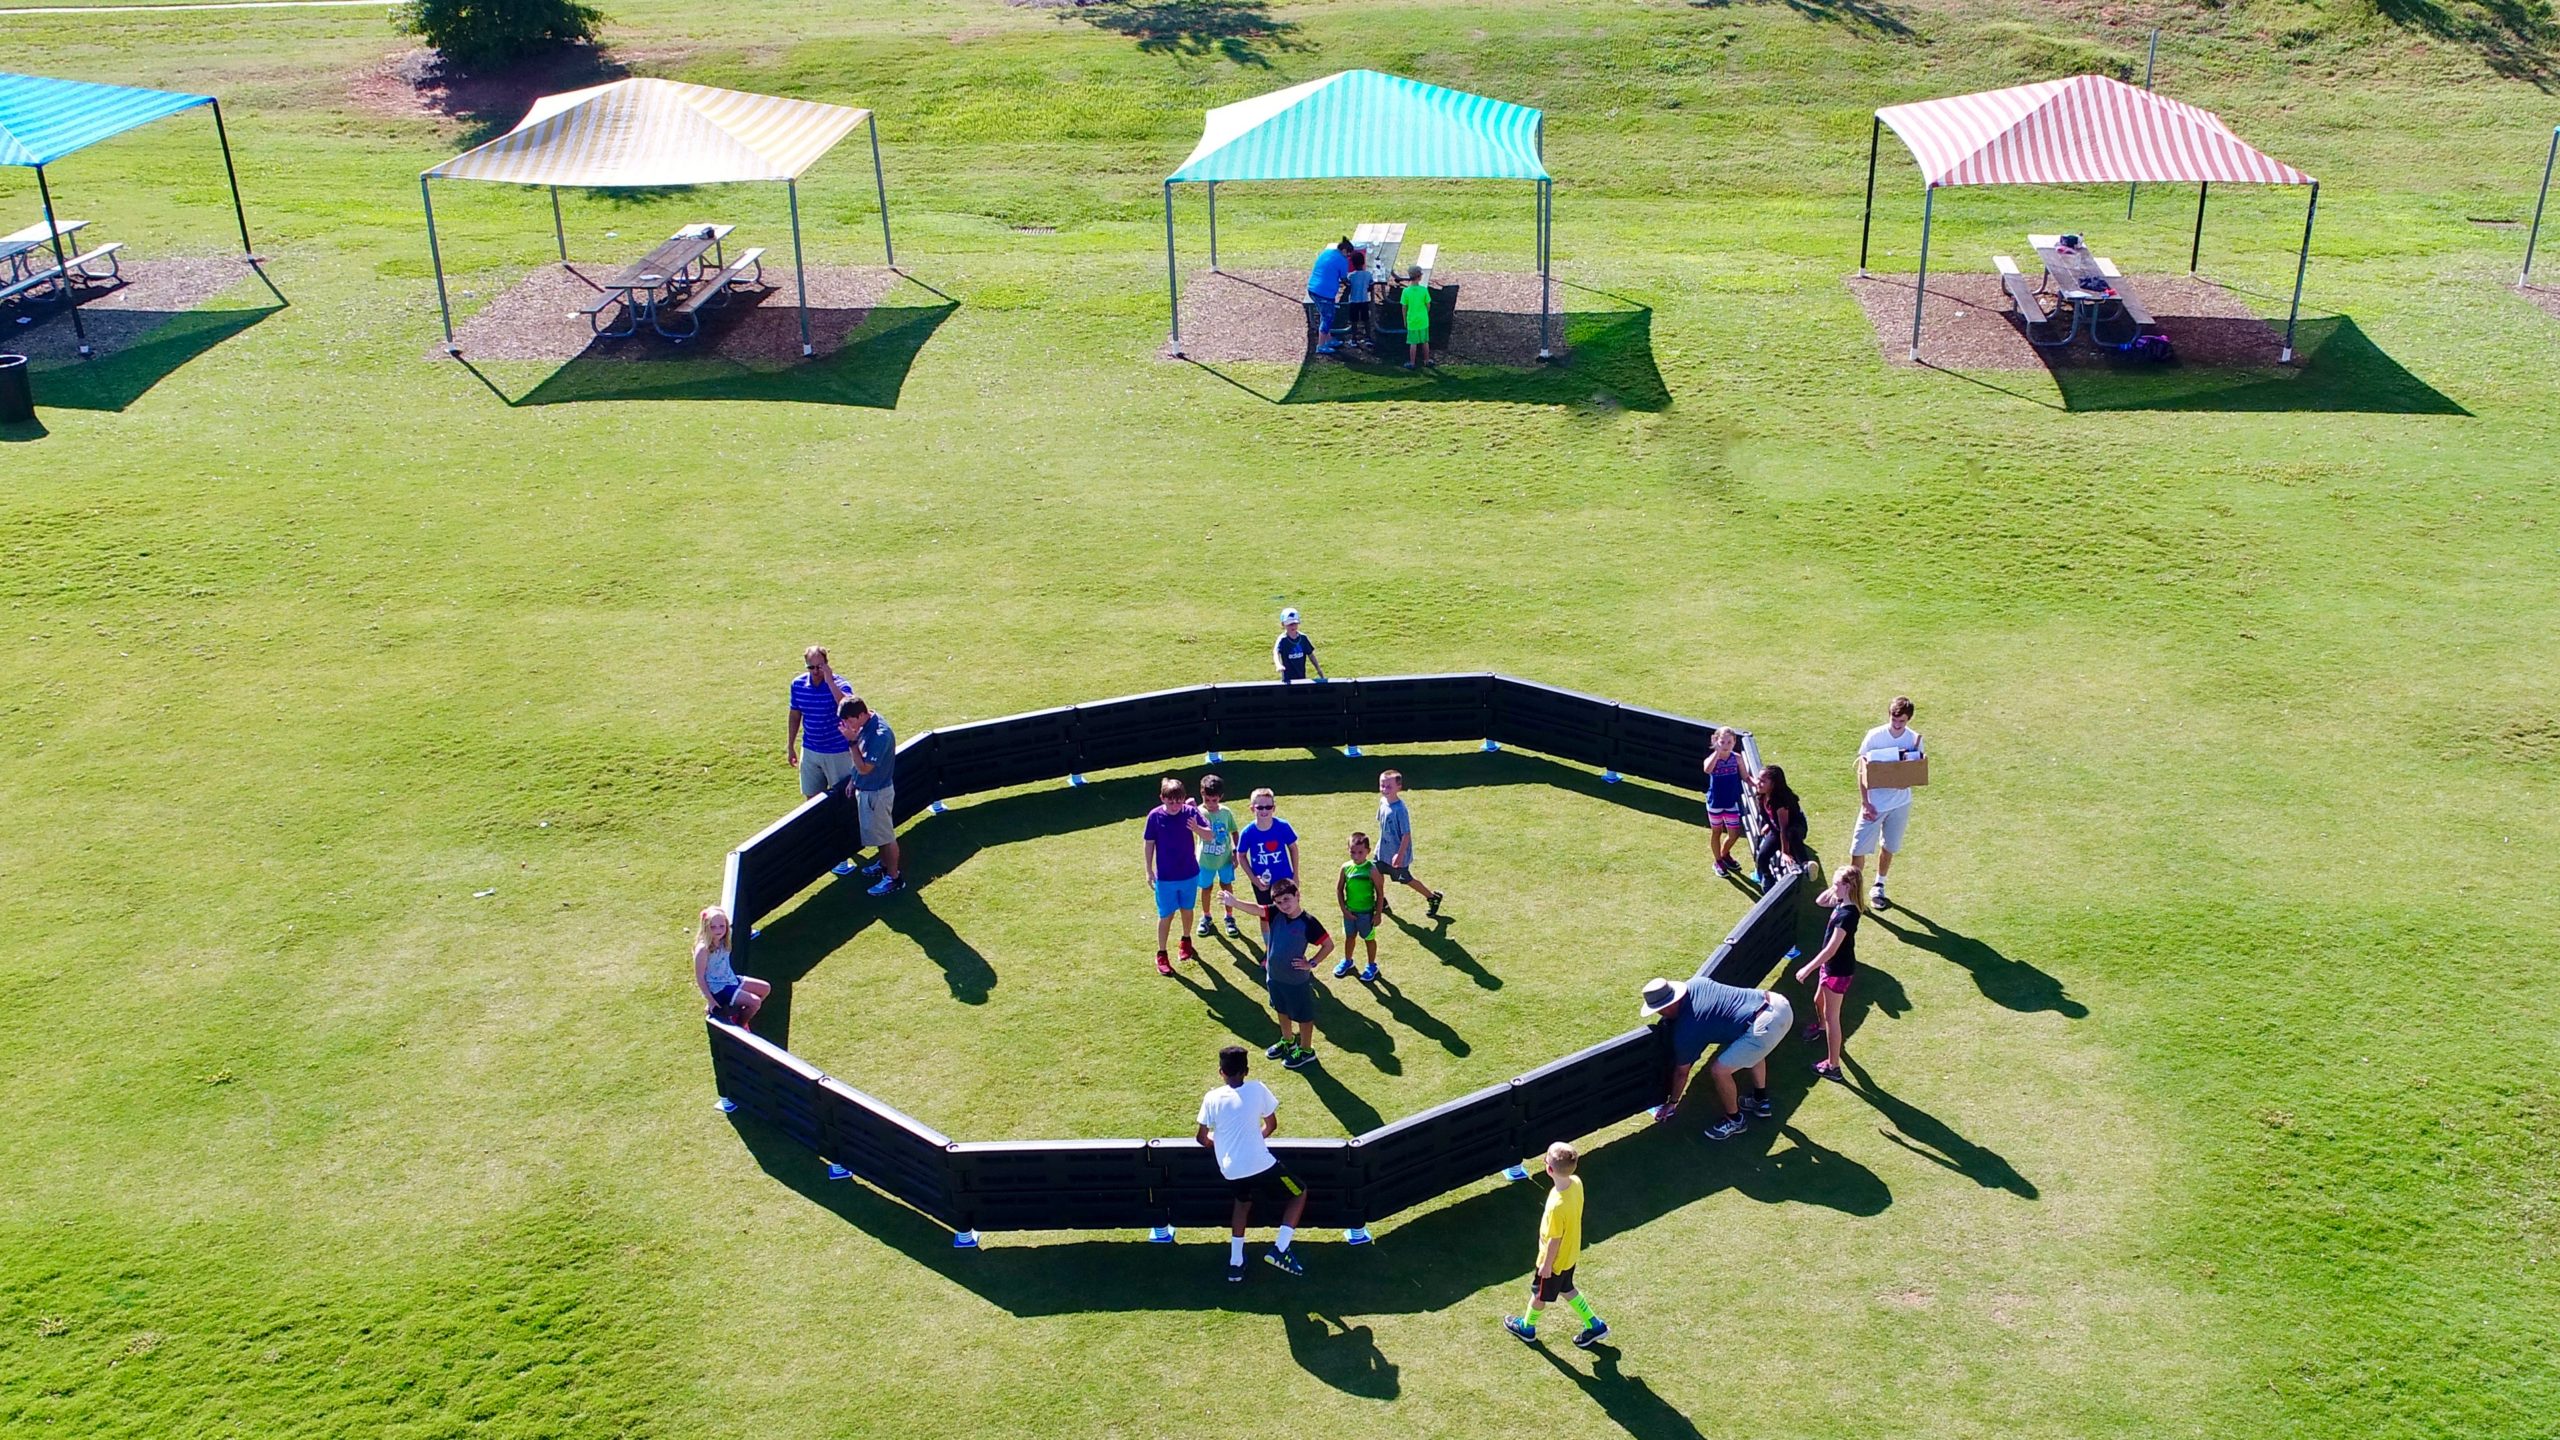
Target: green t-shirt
(1417, 308)
(1360, 885)
(1220, 847)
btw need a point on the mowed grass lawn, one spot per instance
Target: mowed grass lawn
(2205, 1079)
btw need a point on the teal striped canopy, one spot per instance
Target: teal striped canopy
(1363, 125)
(43, 120)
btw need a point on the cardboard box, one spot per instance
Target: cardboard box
(1893, 774)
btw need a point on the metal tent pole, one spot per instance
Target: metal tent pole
(1213, 227)
(1172, 284)
(559, 232)
(1920, 292)
(1875, 134)
(240, 213)
(880, 179)
(2203, 188)
(61, 265)
(799, 266)
(1546, 267)
(436, 255)
(2536, 233)
(2148, 61)
(2310, 213)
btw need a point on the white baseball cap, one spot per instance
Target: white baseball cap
(1289, 616)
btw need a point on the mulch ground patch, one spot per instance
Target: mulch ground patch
(121, 315)
(2548, 299)
(537, 319)
(1261, 315)
(1970, 325)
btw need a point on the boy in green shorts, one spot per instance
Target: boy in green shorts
(1416, 299)
(1356, 890)
(1217, 851)
(1559, 1250)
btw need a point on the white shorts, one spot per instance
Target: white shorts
(1754, 1045)
(823, 772)
(1888, 824)
(874, 808)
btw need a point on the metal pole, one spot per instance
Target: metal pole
(2310, 213)
(247, 251)
(2536, 233)
(1172, 285)
(1920, 292)
(436, 255)
(1875, 134)
(2147, 62)
(558, 231)
(799, 266)
(880, 178)
(1546, 267)
(61, 265)
(1213, 227)
(2203, 188)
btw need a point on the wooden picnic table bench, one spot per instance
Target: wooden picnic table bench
(2029, 301)
(2134, 309)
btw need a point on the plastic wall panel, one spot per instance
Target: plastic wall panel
(1190, 1193)
(1593, 1089)
(918, 776)
(1666, 749)
(768, 1084)
(1439, 1149)
(1757, 942)
(1421, 709)
(1564, 723)
(1016, 750)
(1168, 725)
(1268, 715)
(1054, 1184)
(790, 856)
(902, 1156)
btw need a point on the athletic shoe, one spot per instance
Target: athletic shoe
(1875, 898)
(1408, 364)
(1284, 1262)
(1760, 879)
(1596, 1332)
(1233, 929)
(844, 867)
(1433, 909)
(1208, 927)
(1813, 1031)
(1276, 1051)
(1342, 969)
(1300, 1057)
(1235, 1272)
(1163, 966)
(1369, 976)
(1829, 1071)
(889, 885)
(1519, 1331)
(1328, 349)
(874, 870)
(1759, 1105)
(1727, 1128)
(1189, 952)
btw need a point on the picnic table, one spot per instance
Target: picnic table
(2090, 285)
(640, 287)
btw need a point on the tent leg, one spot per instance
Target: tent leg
(1920, 292)
(880, 179)
(2310, 213)
(1213, 227)
(799, 267)
(2535, 234)
(435, 255)
(2149, 62)
(1172, 285)
(559, 232)
(1546, 266)
(1866, 222)
(61, 264)
(2203, 188)
(239, 212)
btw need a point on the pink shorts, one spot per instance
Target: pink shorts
(1836, 984)
(1725, 820)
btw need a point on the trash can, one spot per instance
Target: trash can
(17, 397)
(1444, 316)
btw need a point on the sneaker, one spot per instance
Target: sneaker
(1163, 966)
(874, 870)
(1760, 1106)
(1408, 364)
(1342, 969)
(889, 885)
(1234, 929)
(1369, 975)
(1208, 927)
(1760, 879)
(1875, 898)
(1235, 1272)
(1727, 1128)
(1328, 349)
(1433, 908)
(1813, 1032)
(844, 867)
(1520, 1331)
(1592, 1335)
(1300, 1057)
(1284, 1262)
(1276, 1051)
(1189, 951)
(1829, 1071)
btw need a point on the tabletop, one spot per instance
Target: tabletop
(34, 235)
(2076, 268)
(670, 257)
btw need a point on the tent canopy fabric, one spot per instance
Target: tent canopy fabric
(657, 132)
(2087, 128)
(1364, 125)
(42, 120)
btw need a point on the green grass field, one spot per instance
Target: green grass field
(2206, 1074)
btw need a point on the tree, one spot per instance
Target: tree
(492, 32)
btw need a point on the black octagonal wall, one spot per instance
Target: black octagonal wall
(1128, 1184)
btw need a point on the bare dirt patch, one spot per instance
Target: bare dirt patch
(537, 319)
(487, 103)
(122, 315)
(2544, 296)
(1262, 315)
(1970, 325)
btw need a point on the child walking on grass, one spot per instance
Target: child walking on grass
(1837, 964)
(1559, 1250)
(1724, 800)
(1356, 890)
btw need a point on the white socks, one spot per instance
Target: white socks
(1287, 1233)
(1235, 1249)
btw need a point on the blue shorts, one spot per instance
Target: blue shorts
(1173, 895)
(1325, 309)
(1293, 1002)
(1223, 875)
(1356, 925)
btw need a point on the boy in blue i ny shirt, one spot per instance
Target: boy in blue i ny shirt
(1269, 850)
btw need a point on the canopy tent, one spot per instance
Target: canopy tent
(1363, 125)
(645, 132)
(2085, 129)
(42, 120)
(2534, 236)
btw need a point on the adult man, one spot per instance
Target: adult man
(1324, 288)
(811, 738)
(1237, 1118)
(1883, 813)
(1293, 651)
(1703, 1014)
(874, 790)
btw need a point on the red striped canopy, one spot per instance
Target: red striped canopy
(2084, 129)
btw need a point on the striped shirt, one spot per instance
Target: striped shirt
(819, 734)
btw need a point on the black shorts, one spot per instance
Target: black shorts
(1275, 1184)
(1401, 874)
(1548, 1289)
(1261, 892)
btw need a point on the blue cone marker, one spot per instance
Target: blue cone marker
(1160, 1235)
(1356, 1235)
(838, 1172)
(727, 1106)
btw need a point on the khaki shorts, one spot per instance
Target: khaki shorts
(875, 808)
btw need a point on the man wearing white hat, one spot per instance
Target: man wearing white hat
(1747, 1024)
(1293, 652)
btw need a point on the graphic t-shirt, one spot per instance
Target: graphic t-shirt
(819, 732)
(1171, 830)
(1844, 922)
(1220, 846)
(1293, 652)
(1266, 852)
(1291, 939)
(1395, 832)
(1562, 1220)
(1711, 1014)
(1882, 744)
(1360, 886)
(1233, 1115)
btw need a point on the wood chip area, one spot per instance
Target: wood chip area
(1261, 315)
(121, 315)
(2544, 296)
(1971, 326)
(537, 318)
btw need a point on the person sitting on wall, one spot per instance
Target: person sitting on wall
(1324, 287)
(734, 998)
(1704, 1014)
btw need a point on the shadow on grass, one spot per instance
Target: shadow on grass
(1434, 938)
(1924, 1135)
(2010, 984)
(869, 371)
(2340, 371)
(1608, 364)
(1872, 16)
(114, 380)
(1339, 1353)
(1626, 1399)
(1241, 32)
(2514, 37)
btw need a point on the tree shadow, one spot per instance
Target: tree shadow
(1241, 32)
(1606, 364)
(868, 371)
(489, 101)
(1872, 16)
(115, 378)
(1436, 941)
(1924, 1135)
(1339, 1353)
(2514, 37)
(2338, 370)
(1627, 1400)
(2010, 984)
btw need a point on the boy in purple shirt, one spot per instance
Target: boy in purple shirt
(1173, 867)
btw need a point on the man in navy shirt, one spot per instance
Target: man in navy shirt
(1703, 1014)
(1324, 287)
(874, 789)
(1293, 652)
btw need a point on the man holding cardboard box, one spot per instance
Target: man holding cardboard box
(1890, 764)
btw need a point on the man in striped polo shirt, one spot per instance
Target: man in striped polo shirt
(812, 740)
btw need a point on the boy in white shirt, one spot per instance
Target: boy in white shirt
(1883, 814)
(1237, 1118)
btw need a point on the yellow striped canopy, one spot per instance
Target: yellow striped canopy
(657, 132)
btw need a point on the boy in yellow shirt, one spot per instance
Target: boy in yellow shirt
(1559, 1249)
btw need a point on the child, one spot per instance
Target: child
(1781, 843)
(1559, 1249)
(1838, 964)
(1293, 652)
(1217, 850)
(1395, 842)
(1416, 298)
(1270, 851)
(1237, 1119)
(1289, 970)
(1173, 868)
(1356, 890)
(734, 998)
(1724, 800)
